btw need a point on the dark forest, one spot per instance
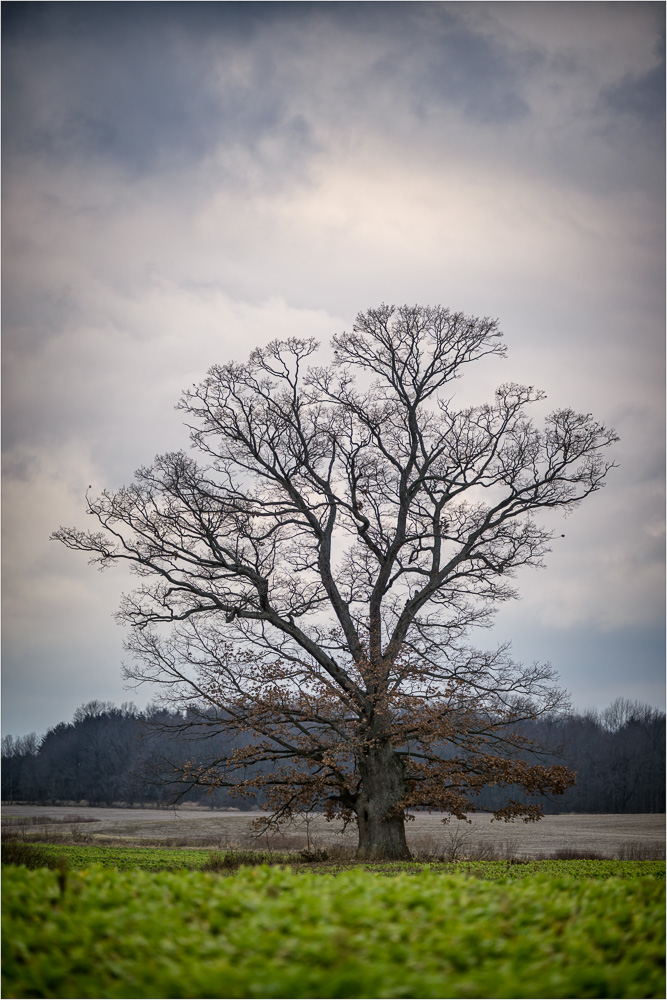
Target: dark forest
(122, 756)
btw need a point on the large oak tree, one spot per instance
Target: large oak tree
(311, 581)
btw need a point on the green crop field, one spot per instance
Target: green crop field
(149, 859)
(275, 932)
(170, 859)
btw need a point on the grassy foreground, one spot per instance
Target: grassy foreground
(271, 932)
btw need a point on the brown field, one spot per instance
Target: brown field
(604, 834)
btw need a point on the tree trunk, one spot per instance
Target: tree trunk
(381, 828)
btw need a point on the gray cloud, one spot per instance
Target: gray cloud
(641, 95)
(159, 86)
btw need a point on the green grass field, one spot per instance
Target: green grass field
(154, 859)
(485, 929)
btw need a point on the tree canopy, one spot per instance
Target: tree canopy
(314, 576)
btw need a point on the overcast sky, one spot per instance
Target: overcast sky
(184, 181)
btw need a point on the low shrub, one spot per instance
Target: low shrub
(639, 850)
(341, 853)
(17, 852)
(312, 857)
(572, 854)
(233, 860)
(25, 821)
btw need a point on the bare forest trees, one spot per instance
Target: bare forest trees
(312, 581)
(619, 760)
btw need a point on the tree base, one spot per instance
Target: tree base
(382, 839)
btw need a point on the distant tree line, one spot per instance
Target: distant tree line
(618, 754)
(108, 755)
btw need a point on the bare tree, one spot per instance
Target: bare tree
(320, 570)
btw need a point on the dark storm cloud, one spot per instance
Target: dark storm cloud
(149, 87)
(641, 96)
(144, 85)
(633, 112)
(468, 70)
(138, 84)
(120, 86)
